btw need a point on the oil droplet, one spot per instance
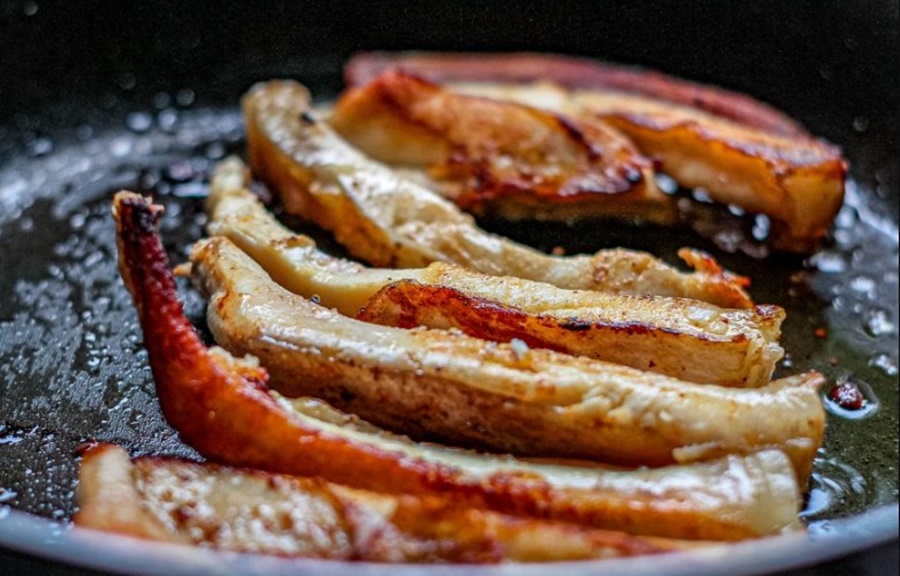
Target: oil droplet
(863, 284)
(829, 262)
(840, 399)
(736, 210)
(185, 97)
(121, 147)
(139, 122)
(161, 100)
(860, 124)
(167, 119)
(701, 195)
(127, 81)
(877, 323)
(40, 147)
(834, 483)
(761, 227)
(885, 363)
(214, 150)
(666, 184)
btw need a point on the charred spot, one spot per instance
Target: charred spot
(575, 324)
(577, 135)
(633, 175)
(347, 396)
(307, 118)
(143, 217)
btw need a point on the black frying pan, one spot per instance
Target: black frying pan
(96, 96)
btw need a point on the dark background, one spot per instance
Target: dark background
(826, 63)
(832, 65)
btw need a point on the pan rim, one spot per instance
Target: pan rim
(45, 539)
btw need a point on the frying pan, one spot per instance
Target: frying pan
(98, 96)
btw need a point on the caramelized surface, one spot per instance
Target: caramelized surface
(489, 155)
(573, 73)
(740, 151)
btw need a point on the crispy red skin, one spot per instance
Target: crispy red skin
(477, 317)
(228, 415)
(574, 73)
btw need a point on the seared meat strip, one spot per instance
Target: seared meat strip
(686, 339)
(740, 151)
(252, 511)
(221, 407)
(492, 156)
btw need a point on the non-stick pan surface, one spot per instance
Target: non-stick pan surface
(96, 97)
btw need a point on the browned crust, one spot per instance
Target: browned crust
(219, 409)
(497, 152)
(740, 151)
(572, 72)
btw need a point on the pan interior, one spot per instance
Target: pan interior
(74, 368)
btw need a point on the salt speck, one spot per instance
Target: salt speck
(829, 262)
(877, 323)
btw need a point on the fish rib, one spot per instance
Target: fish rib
(221, 407)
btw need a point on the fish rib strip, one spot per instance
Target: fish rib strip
(683, 338)
(736, 149)
(252, 511)
(454, 387)
(221, 407)
(392, 222)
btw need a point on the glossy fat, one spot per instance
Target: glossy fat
(686, 339)
(222, 408)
